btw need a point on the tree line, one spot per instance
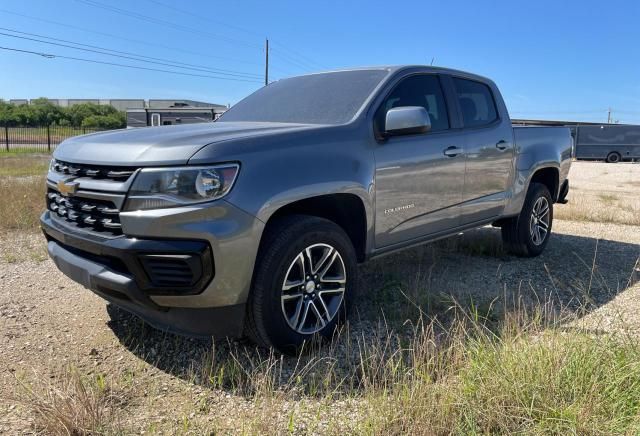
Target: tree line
(42, 112)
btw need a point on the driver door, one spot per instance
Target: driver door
(419, 178)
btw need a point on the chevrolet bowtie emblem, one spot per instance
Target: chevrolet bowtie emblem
(68, 187)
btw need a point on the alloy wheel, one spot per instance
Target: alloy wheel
(313, 288)
(539, 224)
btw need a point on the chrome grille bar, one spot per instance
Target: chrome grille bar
(94, 215)
(78, 170)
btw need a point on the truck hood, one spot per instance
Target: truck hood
(165, 145)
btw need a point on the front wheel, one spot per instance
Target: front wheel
(305, 275)
(528, 234)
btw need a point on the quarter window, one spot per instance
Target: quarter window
(476, 102)
(419, 90)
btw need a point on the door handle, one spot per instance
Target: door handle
(452, 151)
(502, 144)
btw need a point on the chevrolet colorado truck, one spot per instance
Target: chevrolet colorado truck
(254, 224)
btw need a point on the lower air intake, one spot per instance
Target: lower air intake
(172, 270)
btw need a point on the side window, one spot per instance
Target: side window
(419, 90)
(476, 102)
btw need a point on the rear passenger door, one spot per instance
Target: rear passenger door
(419, 177)
(489, 151)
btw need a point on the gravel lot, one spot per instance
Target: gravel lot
(48, 323)
(604, 193)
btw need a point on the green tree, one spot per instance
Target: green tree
(43, 112)
(6, 113)
(113, 121)
(78, 113)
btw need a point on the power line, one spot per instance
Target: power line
(199, 17)
(122, 38)
(282, 56)
(170, 24)
(52, 56)
(127, 55)
(306, 60)
(625, 111)
(291, 61)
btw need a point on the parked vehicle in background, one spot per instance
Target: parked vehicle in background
(143, 117)
(254, 224)
(610, 142)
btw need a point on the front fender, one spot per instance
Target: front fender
(275, 176)
(294, 194)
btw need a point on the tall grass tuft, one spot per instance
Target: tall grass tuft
(75, 405)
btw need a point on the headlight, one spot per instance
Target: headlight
(157, 188)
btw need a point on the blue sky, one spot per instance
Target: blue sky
(552, 59)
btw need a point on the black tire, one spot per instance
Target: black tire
(517, 235)
(614, 157)
(283, 241)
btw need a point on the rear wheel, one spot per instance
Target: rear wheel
(614, 157)
(528, 234)
(302, 285)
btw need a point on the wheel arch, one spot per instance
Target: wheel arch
(548, 176)
(546, 172)
(347, 210)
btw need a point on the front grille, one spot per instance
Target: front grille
(172, 270)
(96, 215)
(93, 171)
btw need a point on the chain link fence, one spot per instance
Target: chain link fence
(38, 139)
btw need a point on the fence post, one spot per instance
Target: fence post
(48, 138)
(6, 137)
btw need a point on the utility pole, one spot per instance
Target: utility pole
(266, 62)
(609, 116)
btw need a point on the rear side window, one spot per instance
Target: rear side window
(476, 102)
(420, 90)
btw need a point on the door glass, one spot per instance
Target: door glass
(476, 102)
(155, 119)
(419, 90)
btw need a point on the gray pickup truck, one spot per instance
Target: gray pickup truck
(254, 224)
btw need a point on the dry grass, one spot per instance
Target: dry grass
(602, 208)
(524, 376)
(21, 203)
(22, 184)
(23, 165)
(469, 373)
(75, 405)
(601, 192)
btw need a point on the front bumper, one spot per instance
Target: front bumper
(222, 239)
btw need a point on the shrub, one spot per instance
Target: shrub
(104, 122)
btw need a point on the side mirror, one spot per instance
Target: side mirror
(407, 120)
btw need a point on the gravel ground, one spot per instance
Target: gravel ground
(603, 192)
(48, 323)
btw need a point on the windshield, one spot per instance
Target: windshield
(326, 98)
